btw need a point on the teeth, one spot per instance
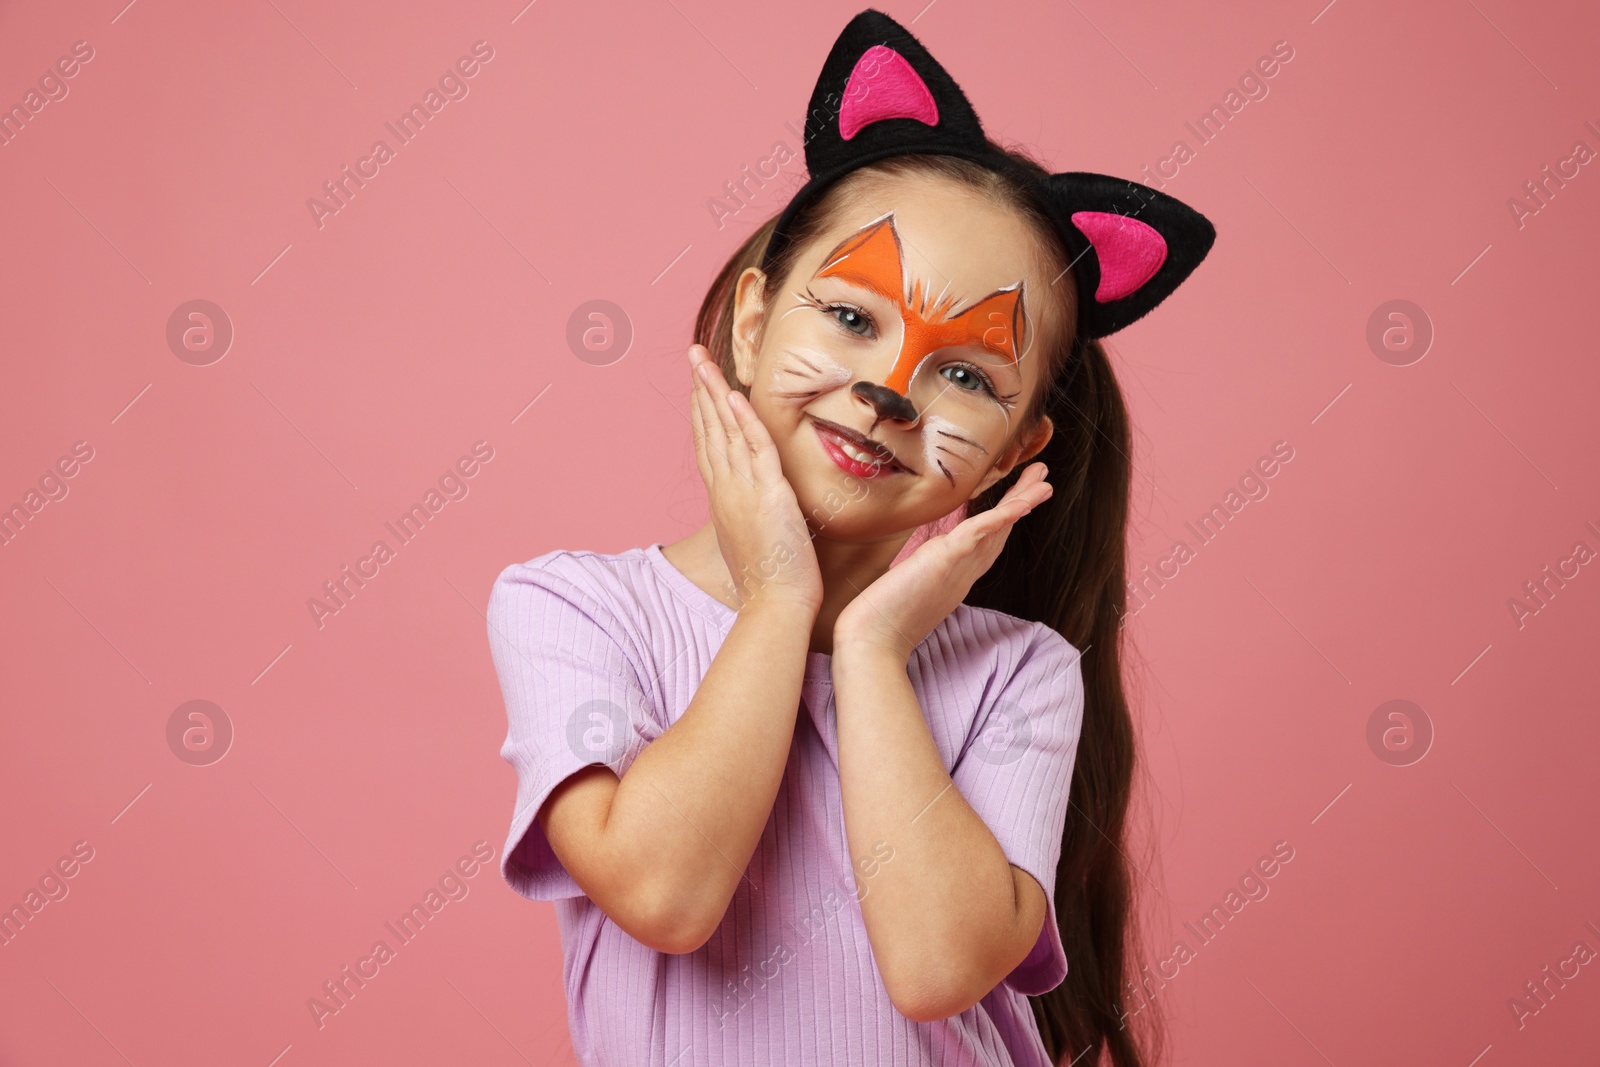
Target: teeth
(857, 454)
(861, 456)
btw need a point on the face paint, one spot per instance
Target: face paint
(987, 332)
(872, 259)
(806, 372)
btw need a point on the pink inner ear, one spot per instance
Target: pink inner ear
(1130, 251)
(882, 85)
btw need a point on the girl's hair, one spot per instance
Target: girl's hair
(1064, 567)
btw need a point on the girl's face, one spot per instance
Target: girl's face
(899, 356)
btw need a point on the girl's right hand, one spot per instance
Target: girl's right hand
(762, 534)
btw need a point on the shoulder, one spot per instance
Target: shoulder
(571, 573)
(1000, 640)
(1003, 654)
(602, 586)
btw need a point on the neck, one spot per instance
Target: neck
(847, 568)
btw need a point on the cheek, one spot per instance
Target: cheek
(953, 451)
(797, 373)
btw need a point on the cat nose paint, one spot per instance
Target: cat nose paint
(885, 401)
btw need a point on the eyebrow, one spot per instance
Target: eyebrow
(863, 259)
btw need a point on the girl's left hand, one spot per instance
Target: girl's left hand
(902, 607)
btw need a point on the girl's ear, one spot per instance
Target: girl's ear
(749, 310)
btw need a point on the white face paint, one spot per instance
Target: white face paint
(804, 373)
(945, 442)
(799, 371)
(934, 383)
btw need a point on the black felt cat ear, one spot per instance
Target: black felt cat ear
(881, 94)
(1130, 245)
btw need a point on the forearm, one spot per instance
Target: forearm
(942, 913)
(690, 810)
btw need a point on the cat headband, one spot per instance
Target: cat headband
(881, 94)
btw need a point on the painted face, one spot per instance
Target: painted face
(952, 376)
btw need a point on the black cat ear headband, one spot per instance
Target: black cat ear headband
(881, 94)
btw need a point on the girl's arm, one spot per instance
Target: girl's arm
(662, 849)
(950, 917)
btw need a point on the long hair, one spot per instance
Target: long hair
(1063, 566)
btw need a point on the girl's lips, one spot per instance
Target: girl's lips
(832, 445)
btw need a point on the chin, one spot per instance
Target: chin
(844, 508)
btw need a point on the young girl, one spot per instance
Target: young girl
(801, 784)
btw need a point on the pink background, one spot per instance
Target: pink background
(372, 352)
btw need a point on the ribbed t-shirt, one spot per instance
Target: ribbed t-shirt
(598, 654)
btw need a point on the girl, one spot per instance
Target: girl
(800, 783)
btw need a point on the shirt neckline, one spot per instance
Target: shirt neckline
(819, 665)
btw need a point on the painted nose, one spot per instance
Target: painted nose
(885, 401)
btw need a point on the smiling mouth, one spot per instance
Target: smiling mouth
(859, 447)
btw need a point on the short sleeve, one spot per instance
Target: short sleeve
(1016, 773)
(573, 698)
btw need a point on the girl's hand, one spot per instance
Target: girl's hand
(902, 607)
(762, 534)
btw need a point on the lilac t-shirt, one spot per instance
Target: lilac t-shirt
(599, 654)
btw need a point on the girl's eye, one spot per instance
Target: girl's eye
(970, 378)
(853, 319)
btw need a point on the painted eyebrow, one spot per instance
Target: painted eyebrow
(857, 280)
(943, 309)
(873, 271)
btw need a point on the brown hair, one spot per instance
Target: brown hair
(1063, 566)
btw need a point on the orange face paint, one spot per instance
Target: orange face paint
(871, 258)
